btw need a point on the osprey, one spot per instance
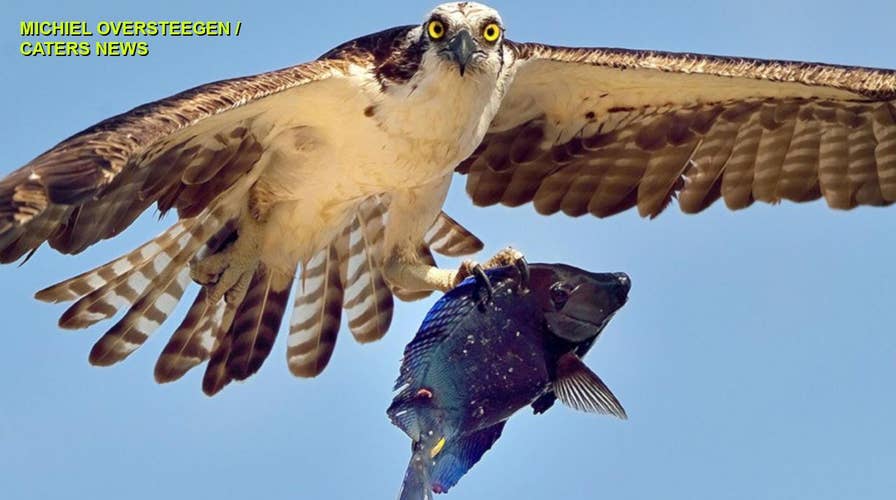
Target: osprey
(340, 166)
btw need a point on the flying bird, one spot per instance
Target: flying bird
(330, 176)
(505, 339)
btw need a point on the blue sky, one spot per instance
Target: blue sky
(755, 358)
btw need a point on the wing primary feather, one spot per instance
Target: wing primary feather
(884, 126)
(122, 283)
(195, 338)
(216, 376)
(622, 139)
(89, 281)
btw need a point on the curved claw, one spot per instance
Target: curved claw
(523, 268)
(482, 281)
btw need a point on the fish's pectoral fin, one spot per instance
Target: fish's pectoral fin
(460, 455)
(581, 389)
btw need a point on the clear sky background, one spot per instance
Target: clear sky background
(756, 357)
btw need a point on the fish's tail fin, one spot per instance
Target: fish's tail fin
(417, 478)
(460, 455)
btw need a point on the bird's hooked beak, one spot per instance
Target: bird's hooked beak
(461, 47)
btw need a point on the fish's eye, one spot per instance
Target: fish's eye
(491, 32)
(436, 29)
(559, 295)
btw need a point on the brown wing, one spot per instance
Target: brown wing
(180, 152)
(604, 130)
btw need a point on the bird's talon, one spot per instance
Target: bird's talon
(523, 267)
(237, 292)
(482, 282)
(225, 275)
(207, 272)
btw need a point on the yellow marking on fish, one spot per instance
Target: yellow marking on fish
(437, 448)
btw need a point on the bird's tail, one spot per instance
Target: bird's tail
(245, 334)
(417, 484)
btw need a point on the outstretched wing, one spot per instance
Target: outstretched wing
(181, 152)
(199, 152)
(603, 130)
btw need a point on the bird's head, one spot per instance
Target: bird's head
(467, 36)
(577, 304)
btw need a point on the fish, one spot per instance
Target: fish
(503, 339)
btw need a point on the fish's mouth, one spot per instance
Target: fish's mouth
(590, 307)
(596, 301)
(564, 321)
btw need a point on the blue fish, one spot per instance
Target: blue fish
(511, 337)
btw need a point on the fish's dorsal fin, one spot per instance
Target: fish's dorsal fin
(459, 455)
(581, 389)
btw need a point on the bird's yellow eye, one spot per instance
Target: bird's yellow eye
(436, 29)
(491, 32)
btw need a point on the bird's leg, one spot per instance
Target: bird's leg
(415, 276)
(229, 272)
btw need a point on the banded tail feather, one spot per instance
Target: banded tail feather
(447, 237)
(246, 332)
(257, 321)
(216, 376)
(368, 300)
(317, 314)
